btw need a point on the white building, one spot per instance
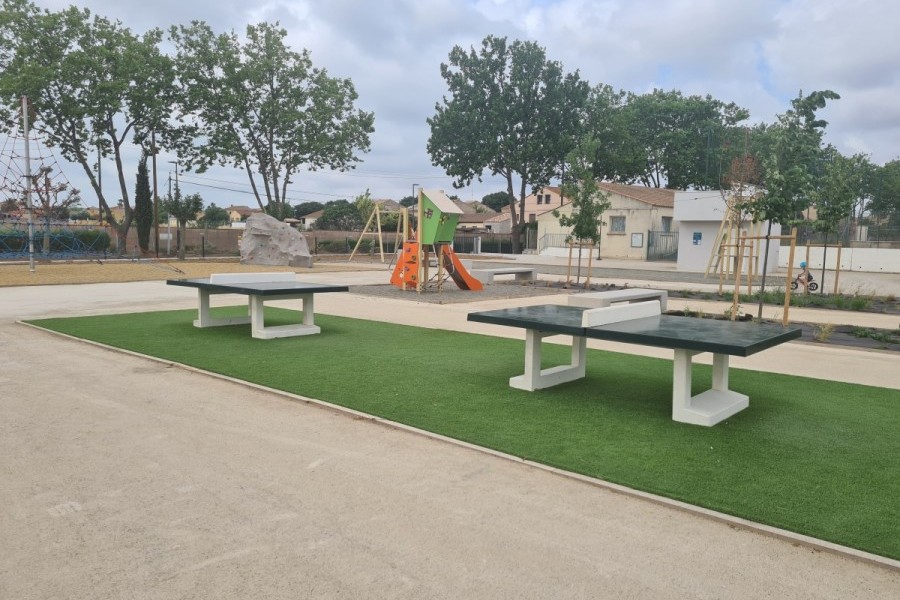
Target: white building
(700, 215)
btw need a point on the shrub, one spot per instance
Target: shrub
(823, 332)
(860, 303)
(332, 246)
(13, 240)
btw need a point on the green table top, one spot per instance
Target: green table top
(260, 288)
(665, 331)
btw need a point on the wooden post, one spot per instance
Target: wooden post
(737, 279)
(723, 268)
(806, 285)
(751, 269)
(837, 269)
(422, 272)
(380, 242)
(363, 234)
(587, 281)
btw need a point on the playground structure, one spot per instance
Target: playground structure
(436, 220)
(373, 228)
(728, 251)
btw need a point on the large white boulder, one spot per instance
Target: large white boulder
(268, 241)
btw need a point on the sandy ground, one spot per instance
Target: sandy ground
(59, 273)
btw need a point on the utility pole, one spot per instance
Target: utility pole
(168, 218)
(155, 197)
(28, 206)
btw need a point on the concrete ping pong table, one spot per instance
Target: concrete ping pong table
(686, 336)
(258, 287)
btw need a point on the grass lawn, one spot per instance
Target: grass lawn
(815, 457)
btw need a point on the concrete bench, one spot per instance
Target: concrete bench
(602, 299)
(486, 276)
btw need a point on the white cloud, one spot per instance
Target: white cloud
(757, 53)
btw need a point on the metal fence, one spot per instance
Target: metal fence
(850, 235)
(91, 240)
(552, 240)
(53, 241)
(662, 245)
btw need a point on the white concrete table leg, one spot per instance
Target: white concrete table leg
(309, 311)
(720, 372)
(306, 327)
(205, 318)
(257, 315)
(713, 405)
(534, 378)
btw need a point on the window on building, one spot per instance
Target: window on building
(617, 225)
(667, 224)
(546, 198)
(540, 199)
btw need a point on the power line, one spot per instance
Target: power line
(245, 188)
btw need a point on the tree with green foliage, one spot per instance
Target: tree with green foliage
(835, 194)
(839, 189)
(214, 216)
(340, 215)
(96, 93)
(511, 112)
(496, 200)
(789, 167)
(885, 190)
(279, 210)
(408, 201)
(588, 202)
(184, 209)
(795, 150)
(365, 206)
(143, 206)
(263, 108)
(78, 214)
(664, 139)
(305, 208)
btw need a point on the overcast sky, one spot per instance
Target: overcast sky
(756, 53)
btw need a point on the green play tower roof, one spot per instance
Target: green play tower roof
(439, 217)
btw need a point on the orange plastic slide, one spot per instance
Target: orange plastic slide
(458, 272)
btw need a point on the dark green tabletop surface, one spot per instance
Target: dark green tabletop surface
(260, 288)
(665, 331)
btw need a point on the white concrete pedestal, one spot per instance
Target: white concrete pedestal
(709, 407)
(256, 317)
(534, 378)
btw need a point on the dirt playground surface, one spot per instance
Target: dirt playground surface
(120, 271)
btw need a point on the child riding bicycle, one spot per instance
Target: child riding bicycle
(805, 279)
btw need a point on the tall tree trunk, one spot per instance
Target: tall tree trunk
(514, 222)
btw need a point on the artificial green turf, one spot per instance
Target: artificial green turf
(815, 457)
